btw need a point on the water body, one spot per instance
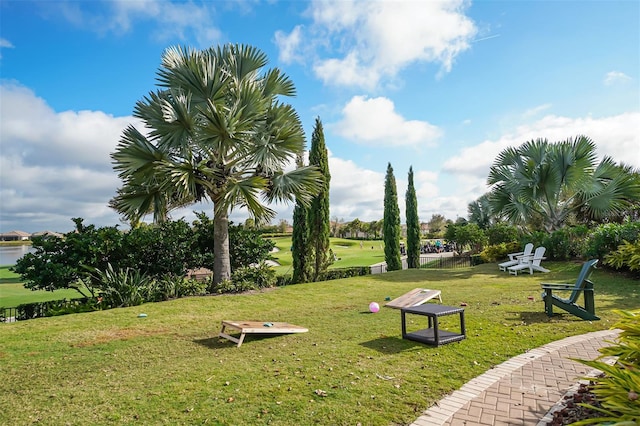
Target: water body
(10, 254)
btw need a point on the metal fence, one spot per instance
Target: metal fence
(40, 309)
(430, 262)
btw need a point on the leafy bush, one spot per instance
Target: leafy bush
(606, 238)
(563, 244)
(283, 280)
(248, 278)
(74, 306)
(57, 263)
(627, 256)
(159, 250)
(228, 286)
(558, 245)
(28, 311)
(502, 233)
(192, 287)
(122, 287)
(466, 235)
(170, 248)
(618, 390)
(246, 245)
(500, 251)
(172, 287)
(262, 275)
(334, 274)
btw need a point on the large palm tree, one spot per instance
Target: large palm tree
(548, 182)
(216, 130)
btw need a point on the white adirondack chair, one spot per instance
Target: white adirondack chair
(531, 264)
(516, 258)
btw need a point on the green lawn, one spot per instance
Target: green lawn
(348, 252)
(111, 367)
(13, 293)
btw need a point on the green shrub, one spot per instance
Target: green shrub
(627, 256)
(283, 280)
(502, 233)
(618, 390)
(606, 238)
(74, 306)
(192, 287)
(497, 252)
(28, 311)
(334, 274)
(563, 244)
(122, 287)
(248, 278)
(262, 275)
(558, 245)
(228, 286)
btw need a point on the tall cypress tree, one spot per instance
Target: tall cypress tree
(391, 222)
(319, 220)
(300, 250)
(413, 225)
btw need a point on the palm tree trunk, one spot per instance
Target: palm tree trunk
(221, 260)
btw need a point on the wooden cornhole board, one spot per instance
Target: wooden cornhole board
(257, 327)
(415, 297)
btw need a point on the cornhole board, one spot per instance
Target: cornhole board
(415, 297)
(257, 327)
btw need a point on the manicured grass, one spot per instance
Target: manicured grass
(13, 293)
(111, 367)
(349, 253)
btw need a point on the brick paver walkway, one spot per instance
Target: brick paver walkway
(522, 390)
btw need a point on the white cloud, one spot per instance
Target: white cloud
(5, 43)
(55, 166)
(288, 45)
(535, 111)
(355, 192)
(183, 20)
(616, 136)
(614, 77)
(347, 72)
(359, 43)
(374, 121)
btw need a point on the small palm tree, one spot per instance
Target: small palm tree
(216, 130)
(547, 182)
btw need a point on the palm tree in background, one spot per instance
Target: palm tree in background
(480, 212)
(216, 131)
(549, 182)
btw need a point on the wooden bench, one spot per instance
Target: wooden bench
(257, 327)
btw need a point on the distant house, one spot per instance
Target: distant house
(15, 236)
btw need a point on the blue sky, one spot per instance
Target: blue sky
(439, 86)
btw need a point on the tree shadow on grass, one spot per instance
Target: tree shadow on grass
(530, 317)
(392, 345)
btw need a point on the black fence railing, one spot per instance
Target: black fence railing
(432, 262)
(451, 262)
(43, 309)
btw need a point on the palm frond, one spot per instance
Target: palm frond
(134, 154)
(301, 184)
(278, 84)
(242, 60)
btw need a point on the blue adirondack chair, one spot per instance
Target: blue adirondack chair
(582, 286)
